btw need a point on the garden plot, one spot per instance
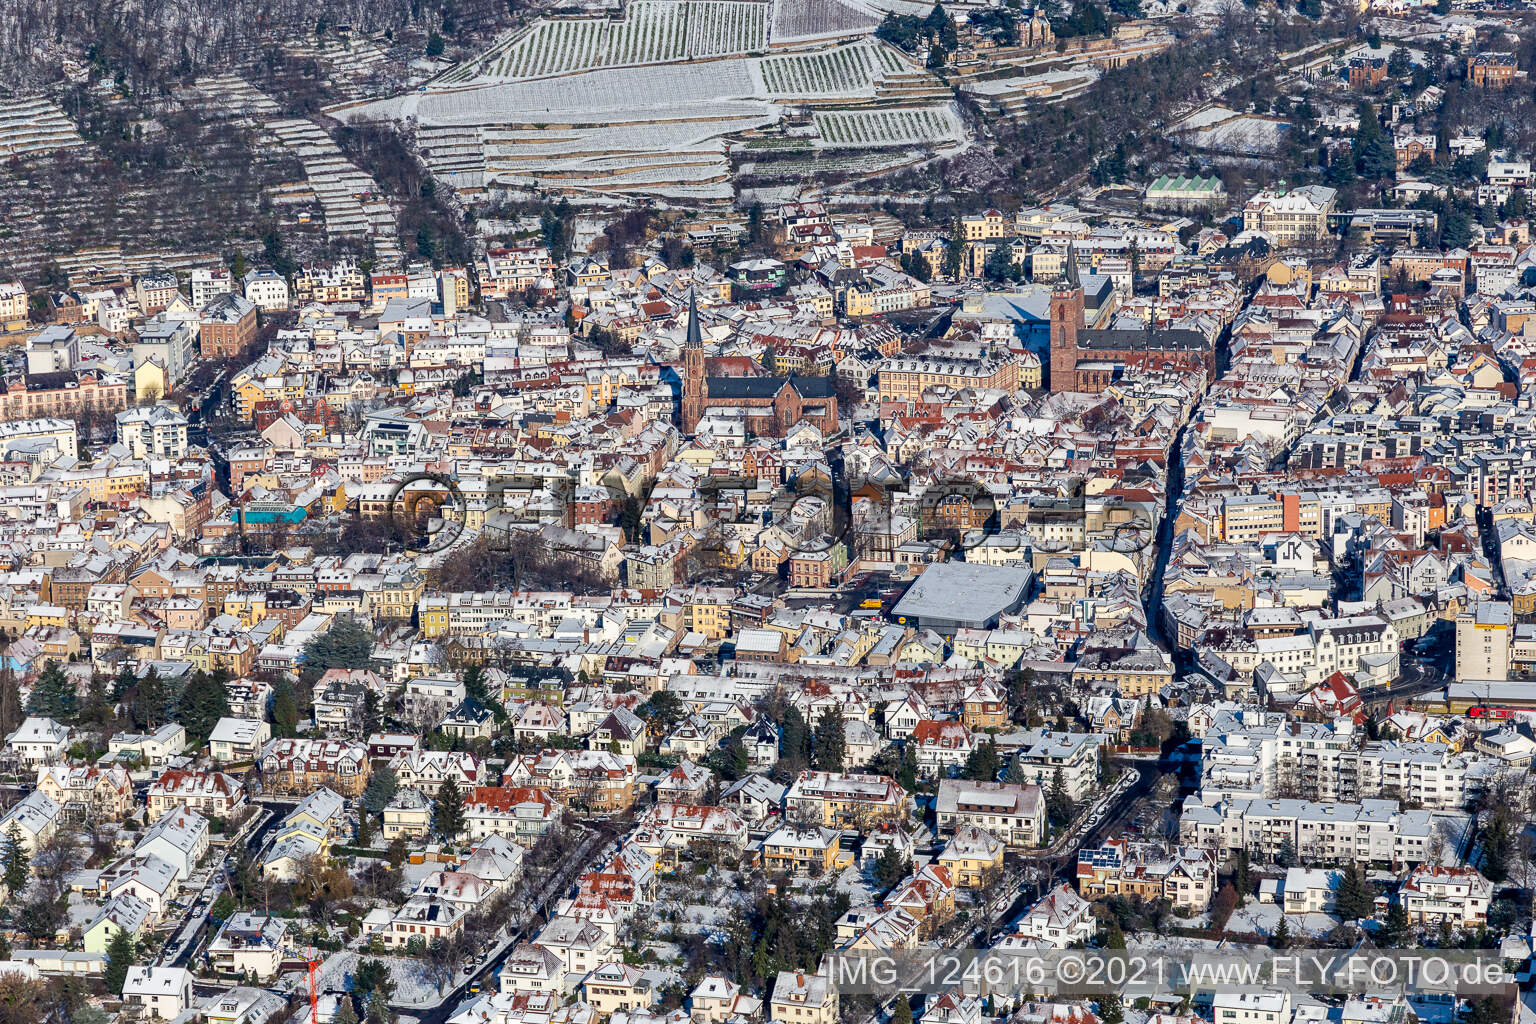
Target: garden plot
(350, 63)
(652, 32)
(837, 72)
(900, 126)
(656, 131)
(681, 160)
(34, 126)
(1244, 135)
(915, 8)
(622, 142)
(549, 111)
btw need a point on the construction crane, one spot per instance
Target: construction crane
(314, 996)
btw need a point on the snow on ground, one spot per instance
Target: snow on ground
(1264, 918)
(414, 873)
(412, 986)
(1248, 135)
(82, 910)
(709, 915)
(1169, 943)
(664, 952)
(1205, 118)
(852, 881)
(805, 20)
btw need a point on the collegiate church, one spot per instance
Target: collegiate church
(773, 404)
(1084, 360)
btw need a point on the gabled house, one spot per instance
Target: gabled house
(38, 741)
(1061, 919)
(87, 793)
(122, 913)
(621, 732)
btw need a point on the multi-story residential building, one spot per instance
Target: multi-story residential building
(266, 289)
(62, 433)
(238, 739)
(1268, 756)
(1015, 813)
(155, 291)
(1493, 70)
(427, 770)
(249, 943)
(800, 998)
(428, 698)
(1186, 878)
(150, 749)
(1435, 894)
(1247, 1007)
(940, 746)
(170, 343)
(1364, 832)
(226, 326)
(425, 918)
(1485, 632)
(1060, 919)
(844, 800)
(408, 813)
(973, 857)
(883, 289)
(209, 793)
(162, 993)
(38, 742)
(905, 378)
(580, 944)
(35, 818)
(519, 813)
(592, 780)
(334, 283)
(153, 432)
(512, 270)
(63, 395)
(87, 793)
(13, 303)
(304, 765)
(208, 283)
(795, 849)
(1046, 755)
(1367, 72)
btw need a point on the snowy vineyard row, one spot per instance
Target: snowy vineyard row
(653, 31)
(839, 71)
(900, 126)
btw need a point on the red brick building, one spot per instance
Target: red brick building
(772, 404)
(227, 325)
(1367, 72)
(1493, 70)
(1091, 360)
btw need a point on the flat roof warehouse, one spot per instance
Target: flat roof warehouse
(962, 595)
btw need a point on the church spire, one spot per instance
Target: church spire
(1070, 279)
(695, 336)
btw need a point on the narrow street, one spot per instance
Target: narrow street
(598, 845)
